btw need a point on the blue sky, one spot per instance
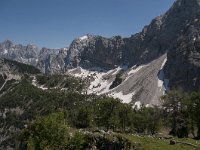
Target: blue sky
(55, 23)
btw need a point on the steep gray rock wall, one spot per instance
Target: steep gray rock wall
(155, 39)
(52, 61)
(96, 51)
(183, 66)
(26, 54)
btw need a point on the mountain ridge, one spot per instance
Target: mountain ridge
(167, 34)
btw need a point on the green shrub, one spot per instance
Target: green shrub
(118, 80)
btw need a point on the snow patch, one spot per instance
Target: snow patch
(83, 38)
(100, 85)
(135, 69)
(160, 79)
(138, 104)
(147, 105)
(162, 82)
(125, 98)
(34, 83)
(102, 80)
(164, 62)
(115, 71)
(5, 51)
(79, 72)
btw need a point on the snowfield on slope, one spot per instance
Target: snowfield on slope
(142, 84)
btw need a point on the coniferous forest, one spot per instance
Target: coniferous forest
(69, 119)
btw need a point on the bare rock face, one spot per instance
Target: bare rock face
(52, 61)
(26, 54)
(155, 39)
(160, 36)
(95, 51)
(183, 66)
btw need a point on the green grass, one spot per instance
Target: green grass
(149, 143)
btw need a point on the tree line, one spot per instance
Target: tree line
(179, 112)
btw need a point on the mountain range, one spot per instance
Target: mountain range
(139, 69)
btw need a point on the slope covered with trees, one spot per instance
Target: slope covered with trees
(64, 117)
(29, 112)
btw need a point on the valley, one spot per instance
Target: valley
(133, 93)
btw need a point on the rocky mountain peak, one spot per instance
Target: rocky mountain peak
(8, 41)
(32, 46)
(7, 44)
(83, 38)
(187, 3)
(184, 9)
